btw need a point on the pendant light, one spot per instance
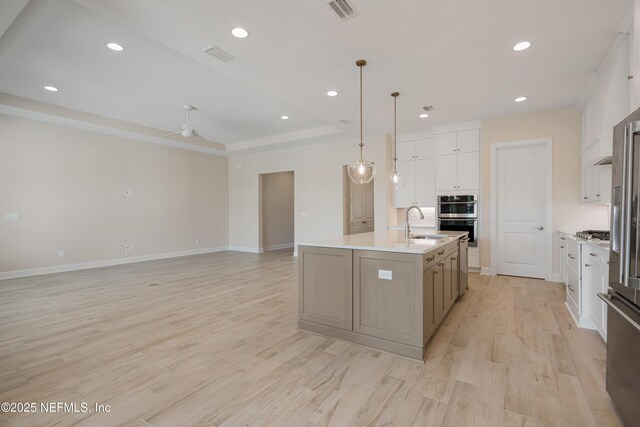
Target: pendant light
(361, 171)
(395, 178)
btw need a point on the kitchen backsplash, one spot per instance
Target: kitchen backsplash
(414, 217)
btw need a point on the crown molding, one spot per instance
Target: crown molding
(106, 130)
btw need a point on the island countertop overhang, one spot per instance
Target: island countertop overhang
(388, 241)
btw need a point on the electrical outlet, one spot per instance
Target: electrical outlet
(62, 254)
(128, 192)
(12, 216)
(385, 274)
(128, 249)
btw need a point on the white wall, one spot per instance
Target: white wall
(563, 125)
(318, 189)
(277, 211)
(68, 186)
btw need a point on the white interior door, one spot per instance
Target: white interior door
(362, 219)
(522, 173)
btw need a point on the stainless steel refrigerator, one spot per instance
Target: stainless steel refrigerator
(623, 297)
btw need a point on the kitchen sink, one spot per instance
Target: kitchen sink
(428, 236)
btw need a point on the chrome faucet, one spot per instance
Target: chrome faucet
(407, 230)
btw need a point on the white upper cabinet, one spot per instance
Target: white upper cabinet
(426, 182)
(469, 141)
(406, 150)
(458, 161)
(405, 196)
(446, 143)
(608, 105)
(446, 173)
(419, 149)
(425, 148)
(416, 164)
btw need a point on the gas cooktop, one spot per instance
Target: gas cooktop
(593, 234)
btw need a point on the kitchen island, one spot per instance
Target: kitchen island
(380, 289)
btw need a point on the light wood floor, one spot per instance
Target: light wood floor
(212, 340)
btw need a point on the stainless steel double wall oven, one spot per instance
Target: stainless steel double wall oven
(459, 213)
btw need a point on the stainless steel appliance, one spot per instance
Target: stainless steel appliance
(465, 206)
(593, 234)
(623, 297)
(459, 213)
(463, 275)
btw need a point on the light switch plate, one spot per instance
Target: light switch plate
(385, 274)
(12, 216)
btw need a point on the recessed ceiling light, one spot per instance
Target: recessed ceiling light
(115, 46)
(424, 115)
(520, 99)
(284, 117)
(521, 46)
(240, 33)
(332, 93)
(51, 88)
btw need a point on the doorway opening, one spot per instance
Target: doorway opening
(521, 208)
(277, 219)
(358, 212)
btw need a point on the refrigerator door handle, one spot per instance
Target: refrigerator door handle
(608, 299)
(627, 185)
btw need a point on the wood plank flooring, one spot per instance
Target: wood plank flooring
(211, 340)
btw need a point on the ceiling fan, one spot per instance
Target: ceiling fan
(187, 128)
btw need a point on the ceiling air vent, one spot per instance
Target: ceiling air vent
(218, 53)
(343, 9)
(428, 108)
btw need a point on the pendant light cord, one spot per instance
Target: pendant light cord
(361, 143)
(395, 136)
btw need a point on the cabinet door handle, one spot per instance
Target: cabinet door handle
(571, 256)
(435, 272)
(561, 247)
(585, 197)
(430, 258)
(592, 254)
(441, 264)
(441, 252)
(454, 258)
(563, 238)
(587, 265)
(570, 288)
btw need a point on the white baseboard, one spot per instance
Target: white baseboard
(245, 249)
(276, 247)
(105, 263)
(555, 278)
(487, 271)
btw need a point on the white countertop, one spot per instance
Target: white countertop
(387, 241)
(596, 243)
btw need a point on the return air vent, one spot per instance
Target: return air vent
(343, 9)
(218, 53)
(428, 108)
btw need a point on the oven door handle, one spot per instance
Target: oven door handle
(457, 219)
(608, 299)
(473, 202)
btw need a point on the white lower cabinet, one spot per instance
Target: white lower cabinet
(596, 280)
(584, 269)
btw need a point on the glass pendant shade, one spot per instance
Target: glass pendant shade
(361, 172)
(396, 180)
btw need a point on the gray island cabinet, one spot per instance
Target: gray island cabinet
(379, 289)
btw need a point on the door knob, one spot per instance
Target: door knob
(540, 228)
